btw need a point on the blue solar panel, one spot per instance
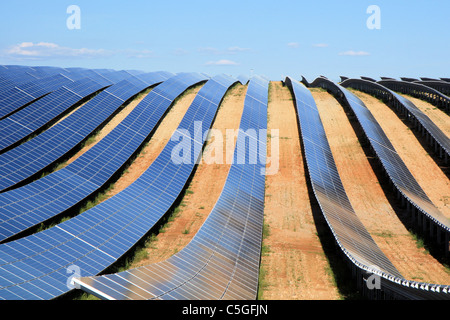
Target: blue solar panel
(26, 121)
(357, 246)
(114, 225)
(19, 96)
(403, 181)
(29, 158)
(66, 187)
(11, 76)
(222, 260)
(348, 230)
(421, 121)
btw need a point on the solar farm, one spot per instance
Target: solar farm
(126, 185)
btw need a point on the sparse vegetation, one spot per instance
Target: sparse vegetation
(265, 250)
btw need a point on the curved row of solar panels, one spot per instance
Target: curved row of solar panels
(28, 159)
(415, 88)
(403, 181)
(62, 190)
(222, 260)
(437, 138)
(439, 85)
(35, 267)
(352, 237)
(15, 76)
(19, 89)
(35, 116)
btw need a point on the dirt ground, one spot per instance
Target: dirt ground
(366, 194)
(295, 266)
(197, 204)
(422, 166)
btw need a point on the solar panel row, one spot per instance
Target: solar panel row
(417, 89)
(439, 85)
(407, 79)
(47, 197)
(17, 97)
(222, 260)
(422, 210)
(23, 93)
(35, 267)
(17, 76)
(352, 237)
(23, 123)
(33, 156)
(243, 79)
(435, 137)
(11, 76)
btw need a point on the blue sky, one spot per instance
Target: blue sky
(271, 38)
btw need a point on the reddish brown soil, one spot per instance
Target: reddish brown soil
(295, 266)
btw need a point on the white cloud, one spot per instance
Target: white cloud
(354, 53)
(293, 44)
(234, 50)
(30, 50)
(320, 45)
(209, 50)
(180, 52)
(48, 50)
(215, 51)
(138, 54)
(222, 62)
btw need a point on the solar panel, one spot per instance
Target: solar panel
(351, 235)
(384, 89)
(243, 79)
(35, 267)
(23, 94)
(31, 157)
(47, 197)
(428, 79)
(403, 181)
(419, 90)
(368, 79)
(11, 76)
(23, 123)
(328, 187)
(408, 79)
(222, 260)
(439, 85)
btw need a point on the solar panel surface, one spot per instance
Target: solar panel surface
(222, 260)
(36, 202)
(414, 113)
(35, 267)
(31, 157)
(396, 169)
(350, 234)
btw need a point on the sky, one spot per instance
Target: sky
(247, 37)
